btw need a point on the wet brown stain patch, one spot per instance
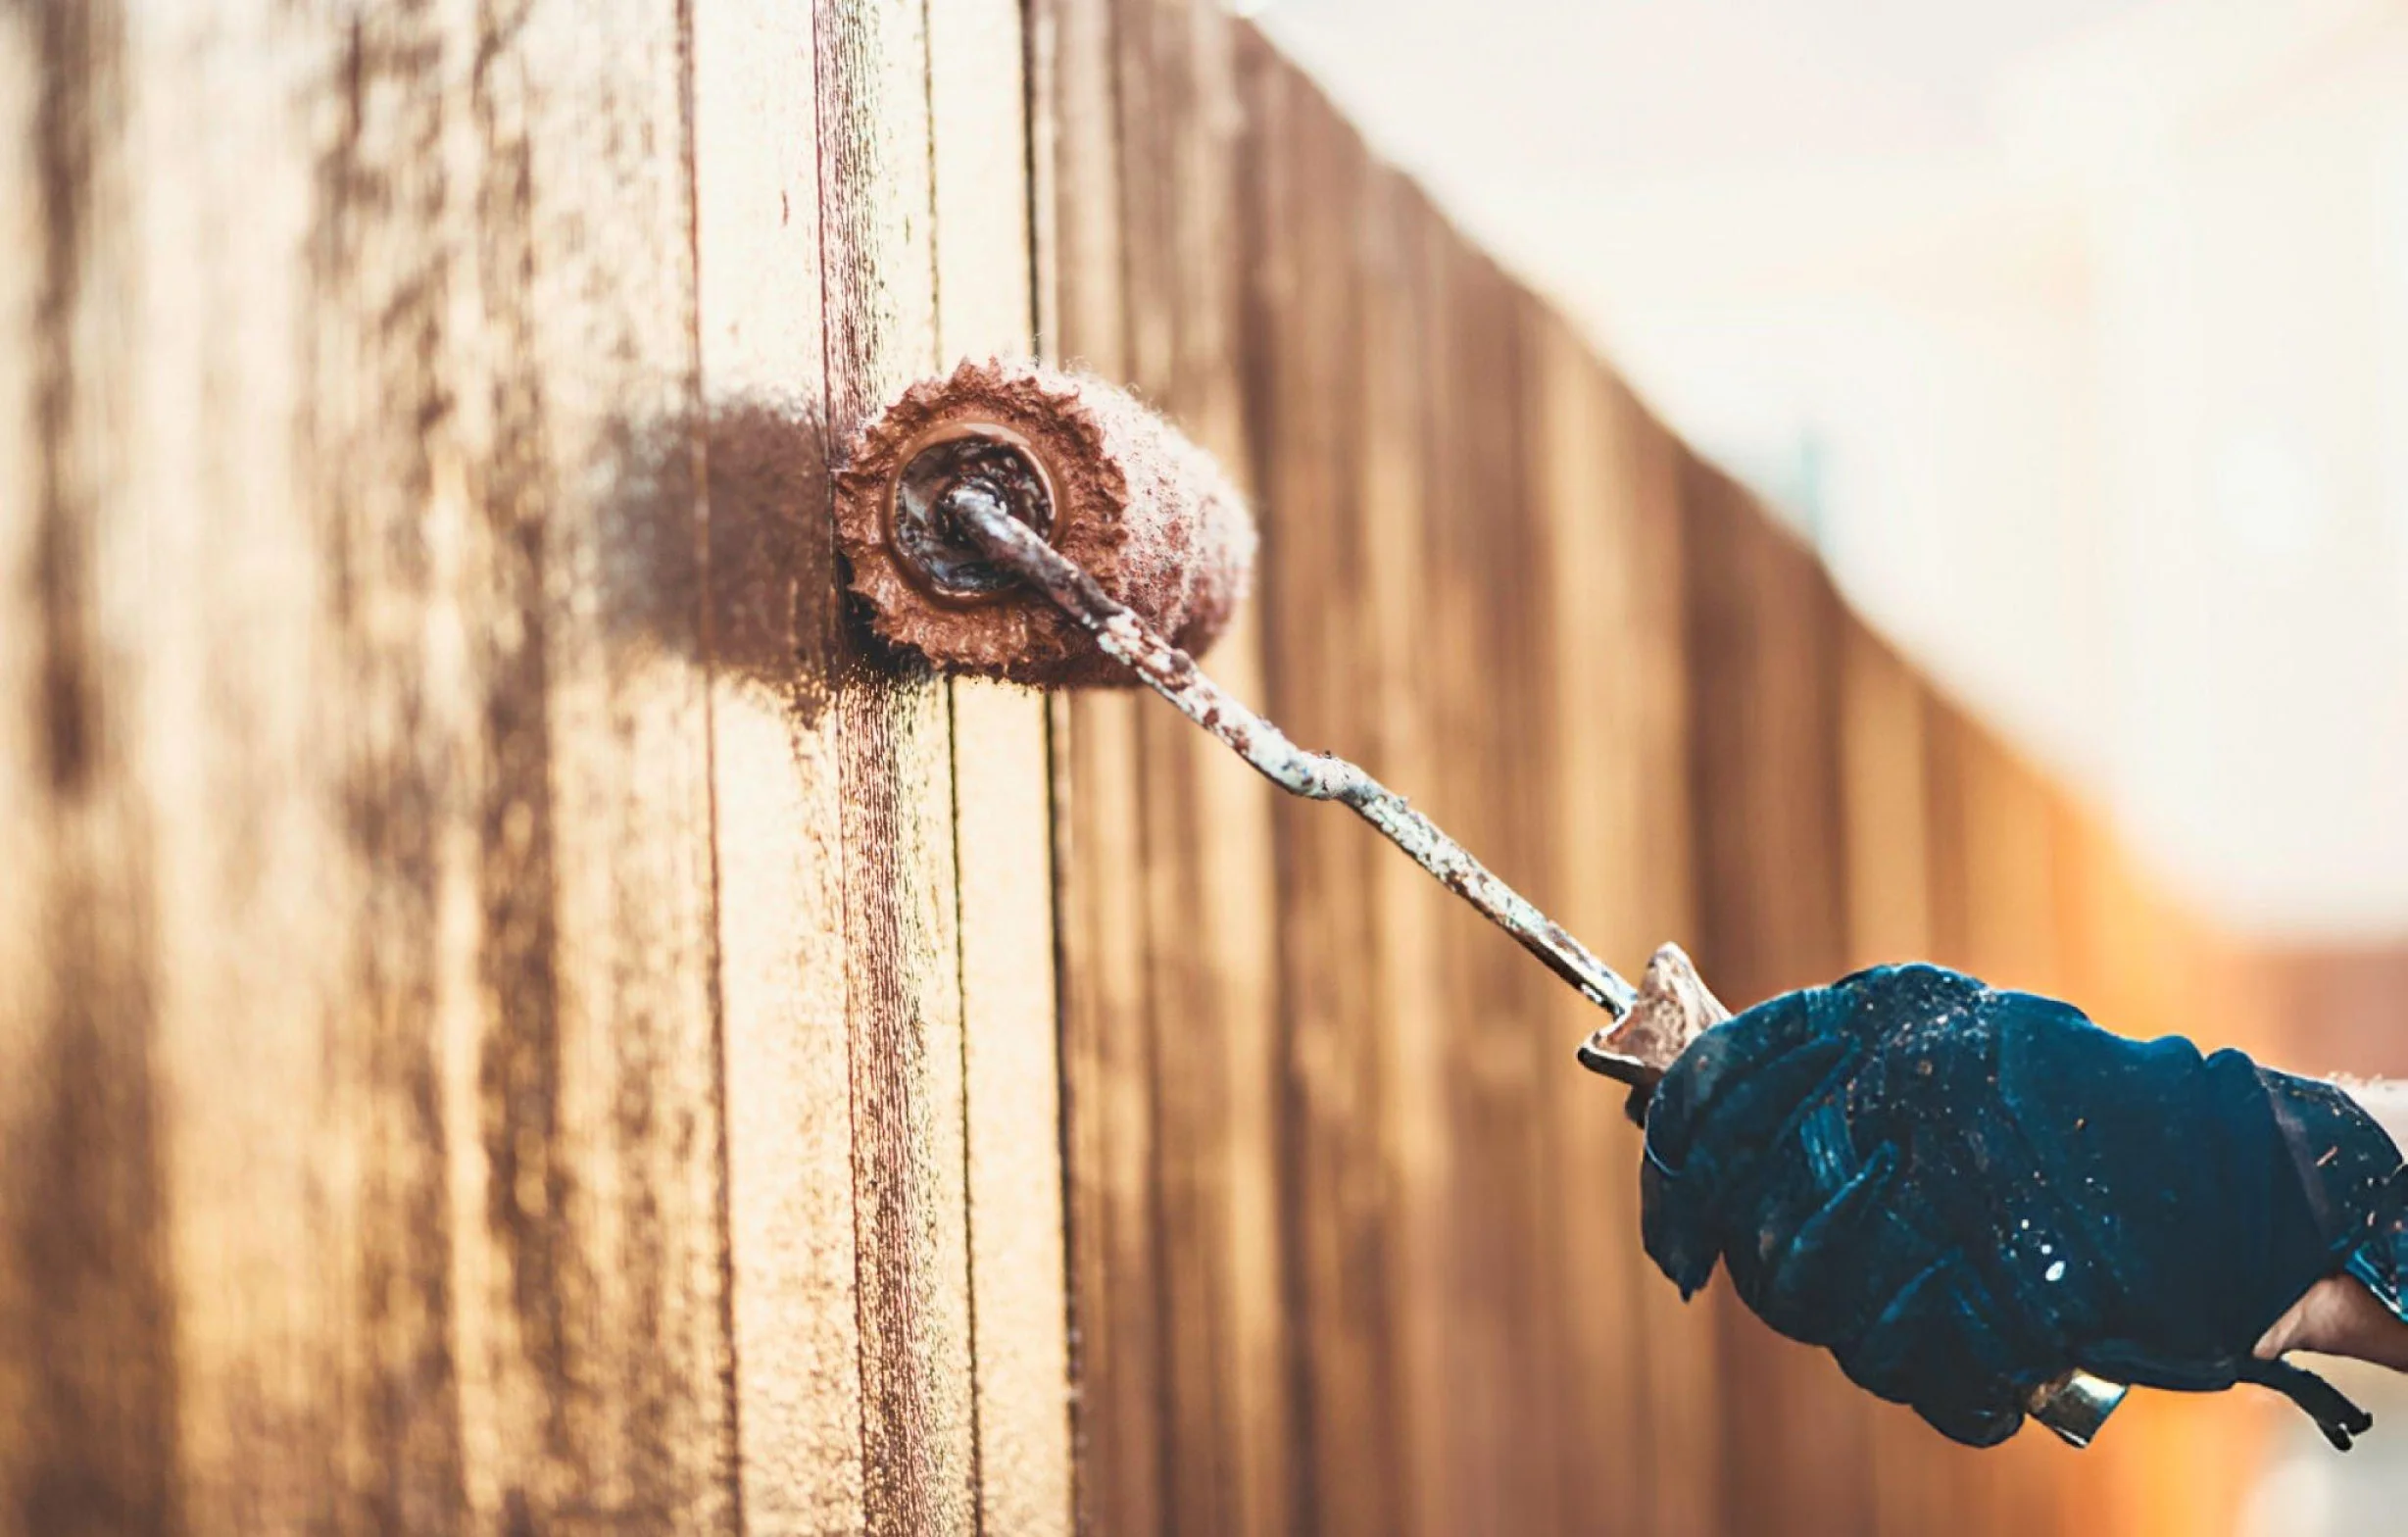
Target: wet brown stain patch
(745, 593)
(770, 542)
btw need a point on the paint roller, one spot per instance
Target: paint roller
(1017, 521)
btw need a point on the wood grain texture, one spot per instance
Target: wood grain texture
(596, 1077)
(1306, 170)
(1481, 654)
(514, 1017)
(1110, 1132)
(1617, 736)
(1109, 1122)
(1003, 828)
(1690, 1467)
(1210, 944)
(780, 649)
(903, 965)
(1407, 1013)
(87, 1314)
(372, 713)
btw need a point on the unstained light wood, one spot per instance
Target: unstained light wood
(1003, 822)
(778, 648)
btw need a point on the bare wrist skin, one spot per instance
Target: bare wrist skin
(2338, 1316)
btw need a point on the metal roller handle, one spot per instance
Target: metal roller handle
(982, 512)
(1648, 1025)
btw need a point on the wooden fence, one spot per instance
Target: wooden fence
(1354, 1250)
(512, 1018)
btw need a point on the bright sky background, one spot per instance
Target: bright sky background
(2074, 331)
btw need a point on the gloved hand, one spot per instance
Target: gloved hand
(1963, 1193)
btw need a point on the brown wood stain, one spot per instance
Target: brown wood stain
(514, 1016)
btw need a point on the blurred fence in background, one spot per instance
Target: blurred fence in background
(1354, 1244)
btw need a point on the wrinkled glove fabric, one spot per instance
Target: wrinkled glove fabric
(1962, 1193)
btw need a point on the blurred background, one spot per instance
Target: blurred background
(2073, 334)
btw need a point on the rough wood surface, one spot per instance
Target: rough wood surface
(367, 1137)
(514, 1016)
(903, 969)
(1305, 380)
(1109, 1130)
(1003, 819)
(778, 649)
(1211, 943)
(432, 985)
(1405, 1010)
(1484, 654)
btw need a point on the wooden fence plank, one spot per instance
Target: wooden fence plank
(1487, 595)
(903, 977)
(2011, 882)
(1764, 638)
(87, 1357)
(1210, 940)
(1886, 763)
(1108, 1141)
(1401, 744)
(33, 319)
(1689, 1461)
(600, 1122)
(778, 646)
(1108, 1042)
(1001, 806)
(1020, 1309)
(1302, 348)
(393, 518)
(1607, 764)
(380, 727)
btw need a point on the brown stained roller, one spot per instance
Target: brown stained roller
(1110, 484)
(970, 502)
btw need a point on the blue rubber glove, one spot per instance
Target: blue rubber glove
(1963, 1193)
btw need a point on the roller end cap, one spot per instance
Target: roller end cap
(1110, 485)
